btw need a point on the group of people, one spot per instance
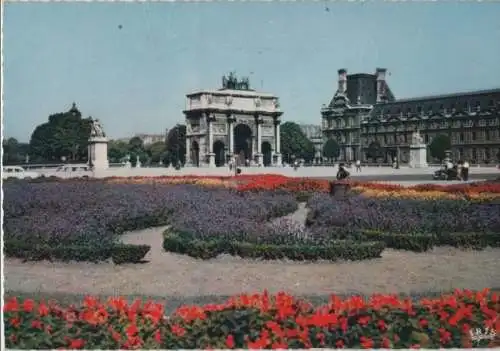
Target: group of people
(459, 170)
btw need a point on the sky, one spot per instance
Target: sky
(131, 64)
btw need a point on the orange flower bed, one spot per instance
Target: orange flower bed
(460, 320)
(279, 182)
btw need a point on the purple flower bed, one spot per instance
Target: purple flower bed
(353, 214)
(94, 213)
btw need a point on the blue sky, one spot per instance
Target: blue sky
(134, 79)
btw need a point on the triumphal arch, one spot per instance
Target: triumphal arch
(234, 122)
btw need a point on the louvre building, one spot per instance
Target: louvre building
(364, 114)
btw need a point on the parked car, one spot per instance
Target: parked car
(73, 171)
(18, 172)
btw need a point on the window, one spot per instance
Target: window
(426, 138)
(487, 135)
(487, 154)
(461, 137)
(474, 135)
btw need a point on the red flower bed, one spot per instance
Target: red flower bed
(261, 182)
(257, 321)
(278, 182)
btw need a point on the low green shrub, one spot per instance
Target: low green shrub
(120, 253)
(337, 250)
(303, 196)
(470, 240)
(126, 253)
(410, 242)
(421, 242)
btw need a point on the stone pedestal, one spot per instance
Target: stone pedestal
(98, 153)
(278, 160)
(259, 158)
(418, 156)
(211, 160)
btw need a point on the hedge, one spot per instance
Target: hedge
(119, 253)
(409, 242)
(420, 242)
(206, 249)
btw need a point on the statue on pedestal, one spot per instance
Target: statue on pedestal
(416, 138)
(96, 130)
(232, 82)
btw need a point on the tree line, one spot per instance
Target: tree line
(64, 137)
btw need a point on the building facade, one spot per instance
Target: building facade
(313, 133)
(371, 125)
(147, 139)
(232, 122)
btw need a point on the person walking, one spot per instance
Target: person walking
(465, 171)
(358, 166)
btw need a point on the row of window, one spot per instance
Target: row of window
(456, 138)
(339, 123)
(431, 125)
(453, 107)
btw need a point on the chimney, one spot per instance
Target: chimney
(342, 81)
(381, 84)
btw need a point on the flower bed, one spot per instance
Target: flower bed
(83, 220)
(410, 224)
(258, 321)
(271, 182)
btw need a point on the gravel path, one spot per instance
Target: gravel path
(441, 269)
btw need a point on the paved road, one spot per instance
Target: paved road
(411, 177)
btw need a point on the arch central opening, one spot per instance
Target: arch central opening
(243, 143)
(219, 150)
(195, 153)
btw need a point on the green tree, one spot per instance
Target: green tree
(117, 151)
(295, 143)
(64, 135)
(136, 145)
(374, 151)
(156, 150)
(331, 149)
(439, 145)
(176, 144)
(14, 152)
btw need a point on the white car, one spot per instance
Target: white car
(74, 171)
(18, 172)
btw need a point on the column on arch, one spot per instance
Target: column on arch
(259, 122)
(210, 134)
(230, 126)
(277, 139)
